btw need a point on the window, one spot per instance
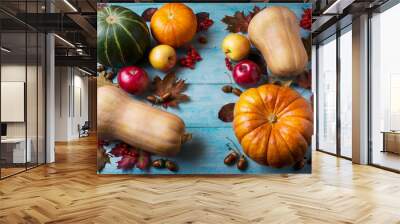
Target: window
(385, 89)
(22, 75)
(327, 96)
(346, 92)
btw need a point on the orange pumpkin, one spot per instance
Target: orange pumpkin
(173, 24)
(274, 125)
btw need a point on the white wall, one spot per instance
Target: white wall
(71, 93)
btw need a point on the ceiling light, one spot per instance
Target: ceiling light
(70, 5)
(64, 40)
(84, 71)
(5, 49)
(337, 7)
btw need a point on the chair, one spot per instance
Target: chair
(84, 130)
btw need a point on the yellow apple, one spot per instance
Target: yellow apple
(236, 46)
(162, 57)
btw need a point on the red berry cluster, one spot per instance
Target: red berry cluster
(123, 149)
(228, 64)
(306, 19)
(204, 24)
(192, 56)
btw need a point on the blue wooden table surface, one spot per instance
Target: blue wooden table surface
(206, 152)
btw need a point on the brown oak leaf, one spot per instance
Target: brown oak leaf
(143, 160)
(172, 87)
(304, 80)
(102, 158)
(240, 21)
(127, 162)
(225, 114)
(148, 13)
(203, 21)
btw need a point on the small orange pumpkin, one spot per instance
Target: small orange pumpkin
(173, 24)
(274, 125)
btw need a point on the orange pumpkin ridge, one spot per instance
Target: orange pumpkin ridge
(273, 124)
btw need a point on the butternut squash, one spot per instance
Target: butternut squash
(276, 33)
(120, 117)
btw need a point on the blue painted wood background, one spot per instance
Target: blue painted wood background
(206, 152)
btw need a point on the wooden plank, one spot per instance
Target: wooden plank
(69, 191)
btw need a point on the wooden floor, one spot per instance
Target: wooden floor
(69, 191)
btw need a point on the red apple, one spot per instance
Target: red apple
(133, 79)
(246, 73)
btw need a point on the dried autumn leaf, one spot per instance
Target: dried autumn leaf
(203, 21)
(148, 13)
(143, 161)
(304, 80)
(127, 162)
(239, 21)
(307, 45)
(252, 13)
(225, 114)
(236, 23)
(170, 84)
(102, 158)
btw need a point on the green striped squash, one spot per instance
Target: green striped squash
(122, 37)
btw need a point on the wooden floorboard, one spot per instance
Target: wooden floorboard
(70, 191)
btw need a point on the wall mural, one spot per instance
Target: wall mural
(204, 88)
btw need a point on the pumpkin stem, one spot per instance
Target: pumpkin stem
(111, 19)
(272, 118)
(186, 137)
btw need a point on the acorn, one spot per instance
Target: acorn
(100, 68)
(152, 99)
(202, 39)
(109, 75)
(159, 164)
(227, 89)
(231, 158)
(166, 97)
(236, 91)
(242, 164)
(171, 166)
